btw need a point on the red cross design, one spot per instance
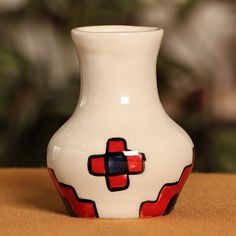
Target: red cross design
(117, 164)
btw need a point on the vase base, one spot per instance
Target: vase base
(163, 205)
(76, 207)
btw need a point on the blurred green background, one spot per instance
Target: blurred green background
(39, 76)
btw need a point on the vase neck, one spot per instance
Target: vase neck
(118, 68)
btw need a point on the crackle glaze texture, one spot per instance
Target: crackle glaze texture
(119, 155)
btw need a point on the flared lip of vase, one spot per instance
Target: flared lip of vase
(115, 29)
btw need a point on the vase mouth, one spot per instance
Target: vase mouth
(114, 29)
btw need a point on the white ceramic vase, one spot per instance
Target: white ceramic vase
(119, 155)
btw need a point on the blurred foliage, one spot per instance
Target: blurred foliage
(71, 13)
(224, 151)
(186, 9)
(32, 109)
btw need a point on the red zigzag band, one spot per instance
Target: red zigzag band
(167, 196)
(75, 206)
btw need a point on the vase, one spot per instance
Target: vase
(119, 155)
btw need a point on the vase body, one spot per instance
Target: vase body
(119, 155)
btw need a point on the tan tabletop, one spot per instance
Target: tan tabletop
(30, 205)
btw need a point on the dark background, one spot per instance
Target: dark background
(39, 77)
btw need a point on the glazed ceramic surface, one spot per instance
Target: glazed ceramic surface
(119, 155)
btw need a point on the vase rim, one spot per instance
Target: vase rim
(116, 29)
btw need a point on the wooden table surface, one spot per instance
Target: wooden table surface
(31, 206)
